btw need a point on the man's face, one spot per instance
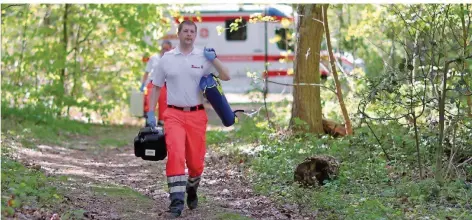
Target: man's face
(165, 47)
(187, 35)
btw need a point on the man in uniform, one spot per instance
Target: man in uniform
(185, 118)
(146, 81)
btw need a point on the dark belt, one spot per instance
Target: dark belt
(188, 109)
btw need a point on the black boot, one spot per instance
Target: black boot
(177, 194)
(192, 198)
(176, 205)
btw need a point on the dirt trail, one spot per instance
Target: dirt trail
(101, 179)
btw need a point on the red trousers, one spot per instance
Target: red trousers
(162, 102)
(185, 134)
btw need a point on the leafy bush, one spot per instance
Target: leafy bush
(25, 187)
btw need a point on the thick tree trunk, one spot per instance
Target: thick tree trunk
(306, 98)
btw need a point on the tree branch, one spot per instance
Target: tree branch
(80, 42)
(303, 84)
(12, 5)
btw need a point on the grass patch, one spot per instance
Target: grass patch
(22, 186)
(30, 127)
(113, 142)
(119, 192)
(115, 136)
(231, 216)
(74, 214)
(126, 200)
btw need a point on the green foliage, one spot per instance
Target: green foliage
(86, 56)
(215, 137)
(94, 61)
(33, 123)
(422, 64)
(25, 187)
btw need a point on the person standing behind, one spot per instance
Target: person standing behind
(185, 118)
(146, 81)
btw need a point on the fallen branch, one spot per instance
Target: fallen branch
(466, 161)
(303, 84)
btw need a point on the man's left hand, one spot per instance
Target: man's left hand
(151, 119)
(209, 53)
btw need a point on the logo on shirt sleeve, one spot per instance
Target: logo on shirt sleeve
(197, 67)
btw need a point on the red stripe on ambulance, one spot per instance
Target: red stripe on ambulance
(275, 73)
(272, 73)
(258, 58)
(223, 18)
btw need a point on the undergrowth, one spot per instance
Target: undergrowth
(22, 186)
(368, 185)
(31, 125)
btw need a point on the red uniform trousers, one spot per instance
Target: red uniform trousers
(185, 133)
(162, 101)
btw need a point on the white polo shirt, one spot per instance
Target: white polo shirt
(182, 75)
(151, 65)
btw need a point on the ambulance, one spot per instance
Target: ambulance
(255, 42)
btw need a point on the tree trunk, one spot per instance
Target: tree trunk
(339, 92)
(439, 149)
(412, 106)
(65, 41)
(23, 43)
(306, 98)
(469, 104)
(465, 38)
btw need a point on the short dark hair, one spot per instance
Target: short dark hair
(187, 22)
(166, 42)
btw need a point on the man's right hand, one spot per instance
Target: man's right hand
(151, 119)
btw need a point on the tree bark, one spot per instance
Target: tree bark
(23, 43)
(469, 104)
(465, 38)
(306, 99)
(412, 106)
(332, 60)
(442, 104)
